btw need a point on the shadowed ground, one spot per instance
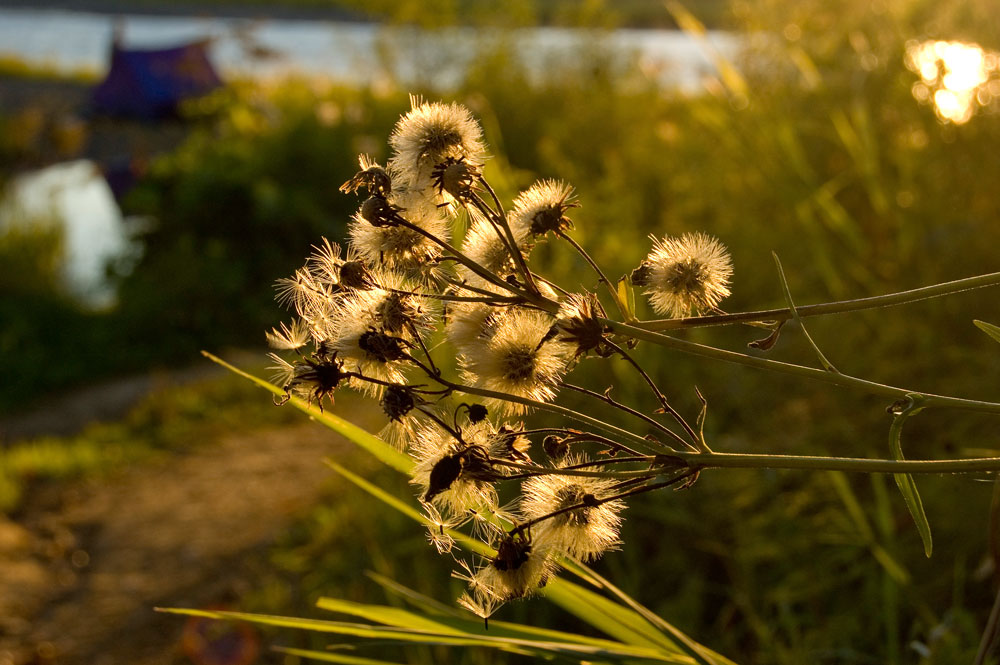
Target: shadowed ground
(82, 570)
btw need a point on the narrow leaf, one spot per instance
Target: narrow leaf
(827, 365)
(699, 652)
(904, 481)
(460, 625)
(332, 657)
(376, 446)
(988, 328)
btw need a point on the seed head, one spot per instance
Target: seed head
(585, 531)
(372, 177)
(686, 274)
(578, 324)
(516, 355)
(428, 135)
(542, 207)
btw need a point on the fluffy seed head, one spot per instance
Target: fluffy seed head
(428, 135)
(455, 476)
(483, 245)
(542, 207)
(687, 273)
(585, 532)
(517, 355)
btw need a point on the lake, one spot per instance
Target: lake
(348, 51)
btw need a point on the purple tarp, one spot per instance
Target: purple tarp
(150, 84)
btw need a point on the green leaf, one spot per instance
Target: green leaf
(633, 615)
(988, 328)
(458, 625)
(332, 657)
(904, 481)
(402, 635)
(376, 446)
(626, 297)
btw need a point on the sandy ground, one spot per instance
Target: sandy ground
(83, 566)
(81, 573)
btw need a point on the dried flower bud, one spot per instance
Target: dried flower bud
(397, 402)
(512, 553)
(383, 347)
(374, 178)
(354, 275)
(380, 213)
(477, 413)
(640, 276)
(555, 447)
(579, 324)
(456, 177)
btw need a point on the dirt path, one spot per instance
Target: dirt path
(80, 576)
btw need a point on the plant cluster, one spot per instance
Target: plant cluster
(437, 268)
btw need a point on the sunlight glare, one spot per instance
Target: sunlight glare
(958, 78)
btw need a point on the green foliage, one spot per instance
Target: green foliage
(824, 158)
(167, 421)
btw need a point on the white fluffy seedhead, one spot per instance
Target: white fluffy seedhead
(685, 274)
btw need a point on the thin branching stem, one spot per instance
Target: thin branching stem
(629, 410)
(600, 273)
(839, 307)
(664, 404)
(848, 464)
(536, 470)
(840, 379)
(594, 502)
(499, 218)
(545, 406)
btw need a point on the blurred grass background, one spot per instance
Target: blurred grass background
(816, 150)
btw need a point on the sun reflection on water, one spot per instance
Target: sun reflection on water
(957, 78)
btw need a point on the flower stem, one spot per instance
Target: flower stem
(839, 307)
(863, 385)
(819, 463)
(600, 274)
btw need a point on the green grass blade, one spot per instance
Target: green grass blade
(376, 446)
(988, 328)
(904, 481)
(462, 626)
(403, 636)
(332, 657)
(857, 515)
(635, 615)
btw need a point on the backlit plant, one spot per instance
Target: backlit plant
(436, 311)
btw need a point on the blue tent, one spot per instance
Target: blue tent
(150, 83)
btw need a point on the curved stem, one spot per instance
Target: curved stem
(596, 502)
(557, 471)
(695, 439)
(500, 218)
(887, 300)
(660, 427)
(870, 387)
(534, 298)
(600, 273)
(848, 464)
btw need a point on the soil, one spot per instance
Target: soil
(84, 565)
